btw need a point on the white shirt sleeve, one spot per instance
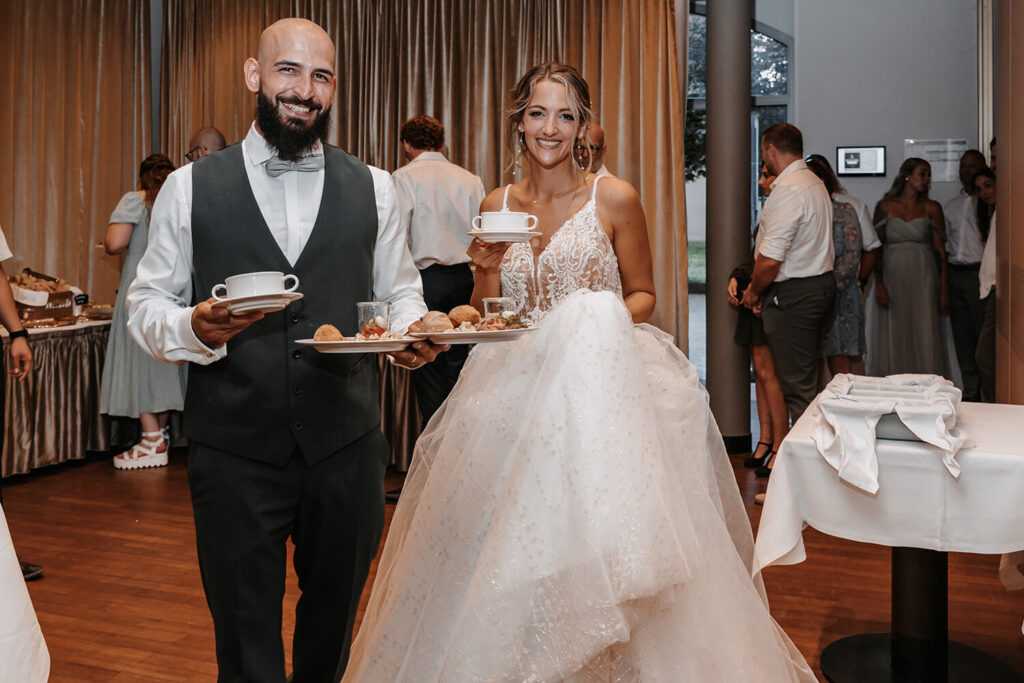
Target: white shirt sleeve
(780, 219)
(159, 310)
(868, 236)
(395, 278)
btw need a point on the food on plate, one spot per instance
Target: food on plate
(464, 314)
(328, 333)
(461, 319)
(436, 321)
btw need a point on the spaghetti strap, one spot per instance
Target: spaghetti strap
(504, 200)
(593, 192)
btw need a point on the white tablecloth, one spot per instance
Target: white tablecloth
(23, 654)
(918, 504)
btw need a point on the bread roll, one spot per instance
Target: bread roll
(436, 321)
(328, 333)
(464, 314)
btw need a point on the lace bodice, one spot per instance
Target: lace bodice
(579, 256)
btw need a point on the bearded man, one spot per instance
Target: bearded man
(285, 442)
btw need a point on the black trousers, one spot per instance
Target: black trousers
(444, 288)
(796, 314)
(966, 312)
(244, 513)
(985, 354)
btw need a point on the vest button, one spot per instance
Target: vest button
(297, 390)
(297, 353)
(296, 318)
(297, 426)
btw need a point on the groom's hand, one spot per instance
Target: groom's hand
(214, 326)
(419, 354)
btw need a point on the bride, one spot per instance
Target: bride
(570, 513)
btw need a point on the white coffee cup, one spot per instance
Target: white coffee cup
(265, 283)
(505, 221)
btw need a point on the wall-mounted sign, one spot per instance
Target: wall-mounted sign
(943, 155)
(863, 161)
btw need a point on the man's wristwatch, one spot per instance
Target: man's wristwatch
(20, 333)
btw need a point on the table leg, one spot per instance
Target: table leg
(917, 649)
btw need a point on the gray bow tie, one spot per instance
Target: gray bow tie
(276, 166)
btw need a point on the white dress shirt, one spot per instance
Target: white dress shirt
(987, 271)
(963, 238)
(438, 201)
(795, 226)
(159, 314)
(868, 236)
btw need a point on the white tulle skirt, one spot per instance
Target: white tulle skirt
(571, 515)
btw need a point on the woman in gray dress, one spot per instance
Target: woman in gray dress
(135, 384)
(906, 322)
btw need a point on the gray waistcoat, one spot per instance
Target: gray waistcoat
(270, 394)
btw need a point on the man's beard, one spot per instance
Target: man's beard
(290, 140)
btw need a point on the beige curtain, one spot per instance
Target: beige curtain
(75, 118)
(456, 60)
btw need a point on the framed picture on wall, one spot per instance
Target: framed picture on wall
(860, 161)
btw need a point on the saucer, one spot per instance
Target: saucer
(268, 303)
(504, 235)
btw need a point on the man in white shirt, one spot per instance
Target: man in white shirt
(205, 141)
(438, 201)
(792, 285)
(590, 155)
(285, 442)
(964, 244)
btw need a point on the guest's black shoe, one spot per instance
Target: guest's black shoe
(753, 460)
(31, 572)
(392, 495)
(764, 471)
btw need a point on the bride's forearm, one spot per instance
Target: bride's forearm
(640, 305)
(486, 283)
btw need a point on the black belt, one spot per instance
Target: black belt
(965, 266)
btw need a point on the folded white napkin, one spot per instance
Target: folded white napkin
(851, 406)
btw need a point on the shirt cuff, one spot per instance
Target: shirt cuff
(190, 342)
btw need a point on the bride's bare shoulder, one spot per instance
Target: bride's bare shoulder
(493, 200)
(616, 195)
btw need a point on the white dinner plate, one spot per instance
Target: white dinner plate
(268, 303)
(473, 337)
(358, 345)
(504, 236)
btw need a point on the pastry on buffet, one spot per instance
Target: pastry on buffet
(328, 333)
(464, 314)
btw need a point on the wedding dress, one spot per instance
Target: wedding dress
(570, 513)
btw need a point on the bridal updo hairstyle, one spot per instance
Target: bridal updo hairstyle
(577, 92)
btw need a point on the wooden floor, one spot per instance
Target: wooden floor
(122, 601)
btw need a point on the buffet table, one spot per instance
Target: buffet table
(922, 512)
(53, 415)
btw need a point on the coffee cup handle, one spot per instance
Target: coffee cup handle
(476, 222)
(530, 226)
(213, 292)
(295, 285)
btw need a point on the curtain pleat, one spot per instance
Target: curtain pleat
(457, 60)
(75, 114)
